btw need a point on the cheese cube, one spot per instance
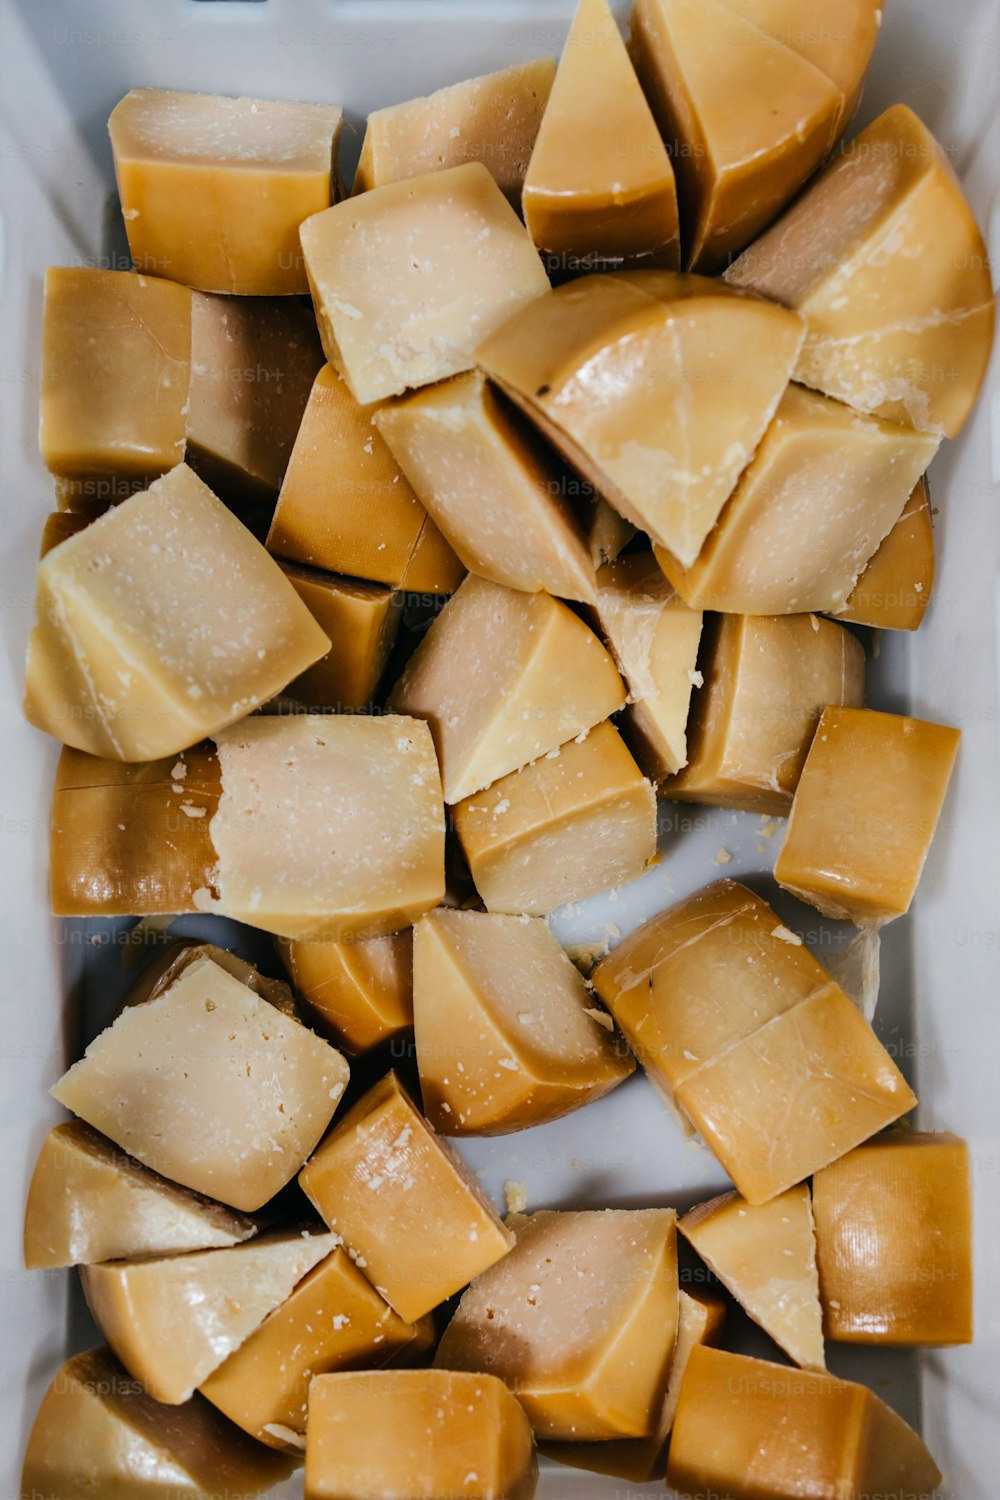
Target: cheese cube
(417, 1435)
(656, 387)
(579, 820)
(580, 1321)
(751, 1430)
(159, 624)
(895, 589)
(116, 373)
(504, 677)
(359, 993)
(407, 278)
(208, 1083)
(884, 260)
(491, 487)
(505, 1033)
(894, 1235)
(493, 119)
(767, 679)
(172, 1321)
(361, 620)
(413, 1217)
(600, 187)
(346, 506)
(213, 189)
(865, 812)
(824, 489)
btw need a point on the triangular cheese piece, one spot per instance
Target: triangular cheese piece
(766, 1256)
(600, 185)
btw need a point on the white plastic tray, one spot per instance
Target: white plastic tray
(63, 64)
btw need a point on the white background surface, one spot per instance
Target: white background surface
(63, 64)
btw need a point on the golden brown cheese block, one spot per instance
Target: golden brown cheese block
(579, 820)
(90, 1202)
(493, 119)
(657, 387)
(600, 189)
(491, 487)
(751, 1430)
(894, 1236)
(359, 993)
(116, 373)
(333, 1320)
(506, 1032)
(160, 623)
(172, 1321)
(407, 278)
(417, 1435)
(346, 506)
(209, 1084)
(883, 259)
(213, 189)
(824, 489)
(504, 677)
(865, 812)
(59, 527)
(767, 679)
(361, 620)
(97, 1432)
(579, 1320)
(766, 1257)
(895, 589)
(414, 1218)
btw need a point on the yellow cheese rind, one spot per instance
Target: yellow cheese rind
(413, 1217)
(213, 189)
(894, 1237)
(503, 677)
(417, 1435)
(407, 278)
(504, 1029)
(579, 820)
(362, 620)
(865, 812)
(358, 993)
(895, 589)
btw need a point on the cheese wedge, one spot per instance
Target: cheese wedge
(359, 993)
(895, 589)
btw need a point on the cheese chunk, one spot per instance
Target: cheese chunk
(90, 1202)
(407, 278)
(825, 487)
(894, 1235)
(98, 1433)
(213, 190)
(580, 1321)
(767, 679)
(59, 527)
(253, 363)
(93, 494)
(656, 387)
(361, 620)
(751, 1430)
(329, 826)
(865, 812)
(654, 637)
(413, 1217)
(895, 589)
(493, 119)
(749, 115)
(491, 486)
(883, 259)
(504, 1033)
(116, 373)
(417, 1435)
(766, 1256)
(608, 533)
(132, 839)
(504, 677)
(346, 506)
(359, 993)
(333, 1320)
(209, 1084)
(600, 188)
(579, 820)
(173, 1321)
(159, 624)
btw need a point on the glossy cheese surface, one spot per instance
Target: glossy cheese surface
(895, 589)
(362, 621)
(359, 993)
